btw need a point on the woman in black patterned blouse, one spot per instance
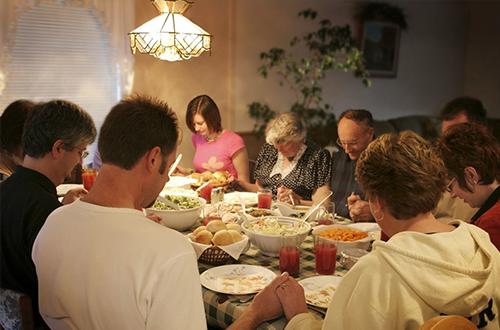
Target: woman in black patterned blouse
(291, 167)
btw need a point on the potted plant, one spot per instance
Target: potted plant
(330, 47)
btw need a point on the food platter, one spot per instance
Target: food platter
(319, 290)
(236, 279)
(216, 179)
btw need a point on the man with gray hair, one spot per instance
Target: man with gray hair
(55, 137)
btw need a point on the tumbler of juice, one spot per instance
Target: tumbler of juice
(289, 256)
(206, 192)
(88, 177)
(326, 257)
(264, 199)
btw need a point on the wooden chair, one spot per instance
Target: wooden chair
(448, 322)
(16, 312)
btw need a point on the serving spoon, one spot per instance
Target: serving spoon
(174, 165)
(168, 202)
(316, 207)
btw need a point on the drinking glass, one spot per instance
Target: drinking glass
(264, 199)
(206, 192)
(289, 256)
(325, 253)
(88, 177)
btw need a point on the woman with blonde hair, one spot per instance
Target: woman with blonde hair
(294, 169)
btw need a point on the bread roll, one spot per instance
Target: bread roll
(216, 225)
(233, 226)
(203, 237)
(236, 236)
(197, 230)
(222, 237)
(207, 175)
(219, 175)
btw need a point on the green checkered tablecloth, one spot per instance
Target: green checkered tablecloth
(221, 310)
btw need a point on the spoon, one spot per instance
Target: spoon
(243, 206)
(316, 207)
(174, 165)
(168, 202)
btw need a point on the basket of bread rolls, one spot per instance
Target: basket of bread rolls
(219, 243)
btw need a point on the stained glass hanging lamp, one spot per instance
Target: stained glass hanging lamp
(170, 36)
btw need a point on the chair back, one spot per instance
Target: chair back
(448, 322)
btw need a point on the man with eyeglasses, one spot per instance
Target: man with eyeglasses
(129, 272)
(55, 137)
(463, 109)
(355, 131)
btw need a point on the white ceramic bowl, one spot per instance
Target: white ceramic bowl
(180, 220)
(363, 243)
(270, 244)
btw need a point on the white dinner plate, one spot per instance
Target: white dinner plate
(319, 290)
(236, 279)
(62, 189)
(179, 181)
(249, 198)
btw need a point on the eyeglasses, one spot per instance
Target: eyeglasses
(346, 143)
(449, 186)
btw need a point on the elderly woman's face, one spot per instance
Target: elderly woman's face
(289, 149)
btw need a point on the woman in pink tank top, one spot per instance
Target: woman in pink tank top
(216, 149)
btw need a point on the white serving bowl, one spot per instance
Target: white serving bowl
(270, 244)
(180, 220)
(363, 243)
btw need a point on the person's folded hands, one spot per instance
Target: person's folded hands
(292, 298)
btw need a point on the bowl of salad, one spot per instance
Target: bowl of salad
(267, 233)
(181, 219)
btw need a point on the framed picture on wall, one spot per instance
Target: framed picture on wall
(380, 47)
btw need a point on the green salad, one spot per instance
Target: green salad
(184, 203)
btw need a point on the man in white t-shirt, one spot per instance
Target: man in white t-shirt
(101, 264)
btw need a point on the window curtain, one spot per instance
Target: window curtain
(117, 17)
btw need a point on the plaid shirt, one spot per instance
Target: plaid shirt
(343, 182)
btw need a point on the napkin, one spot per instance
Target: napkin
(234, 250)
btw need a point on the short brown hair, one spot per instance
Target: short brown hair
(133, 127)
(12, 123)
(470, 144)
(404, 171)
(207, 108)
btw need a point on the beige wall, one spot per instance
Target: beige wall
(448, 50)
(178, 82)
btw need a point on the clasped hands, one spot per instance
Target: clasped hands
(359, 209)
(283, 295)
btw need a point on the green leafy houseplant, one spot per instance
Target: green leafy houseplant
(330, 47)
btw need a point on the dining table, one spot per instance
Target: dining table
(221, 309)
